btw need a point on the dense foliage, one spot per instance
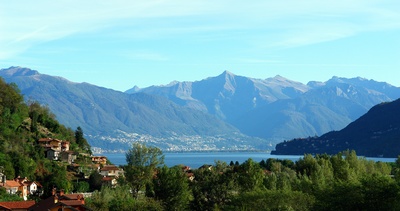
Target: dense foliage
(375, 134)
(322, 182)
(21, 126)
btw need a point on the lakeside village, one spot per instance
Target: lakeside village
(59, 151)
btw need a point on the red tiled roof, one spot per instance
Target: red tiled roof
(74, 196)
(66, 199)
(17, 204)
(72, 202)
(107, 178)
(11, 183)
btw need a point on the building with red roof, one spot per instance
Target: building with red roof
(16, 205)
(61, 201)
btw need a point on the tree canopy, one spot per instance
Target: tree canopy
(142, 162)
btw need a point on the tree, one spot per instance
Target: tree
(213, 188)
(120, 199)
(81, 186)
(250, 176)
(142, 162)
(272, 200)
(171, 186)
(58, 178)
(380, 193)
(95, 182)
(81, 141)
(4, 196)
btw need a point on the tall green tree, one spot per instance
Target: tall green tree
(95, 181)
(81, 141)
(142, 162)
(213, 188)
(171, 186)
(250, 176)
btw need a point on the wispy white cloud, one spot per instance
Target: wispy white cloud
(291, 23)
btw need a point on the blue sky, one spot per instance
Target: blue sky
(118, 44)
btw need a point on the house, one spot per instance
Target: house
(16, 205)
(190, 176)
(67, 156)
(22, 186)
(206, 166)
(61, 201)
(110, 181)
(52, 154)
(11, 186)
(34, 188)
(51, 143)
(185, 168)
(54, 147)
(65, 146)
(111, 171)
(28, 187)
(99, 159)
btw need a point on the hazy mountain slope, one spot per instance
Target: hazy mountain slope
(278, 108)
(286, 119)
(104, 112)
(329, 106)
(377, 133)
(228, 96)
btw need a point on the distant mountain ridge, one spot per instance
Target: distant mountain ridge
(109, 116)
(377, 133)
(227, 96)
(225, 112)
(276, 108)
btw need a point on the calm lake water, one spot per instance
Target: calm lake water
(197, 159)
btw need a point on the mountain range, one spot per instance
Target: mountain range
(375, 134)
(112, 119)
(226, 112)
(276, 108)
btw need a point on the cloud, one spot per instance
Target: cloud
(292, 23)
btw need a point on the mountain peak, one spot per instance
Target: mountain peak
(19, 71)
(133, 90)
(226, 73)
(280, 78)
(315, 84)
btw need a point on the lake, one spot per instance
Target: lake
(197, 159)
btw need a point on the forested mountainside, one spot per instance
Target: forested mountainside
(22, 125)
(226, 112)
(113, 120)
(377, 133)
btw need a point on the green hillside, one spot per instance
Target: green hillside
(375, 134)
(21, 126)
